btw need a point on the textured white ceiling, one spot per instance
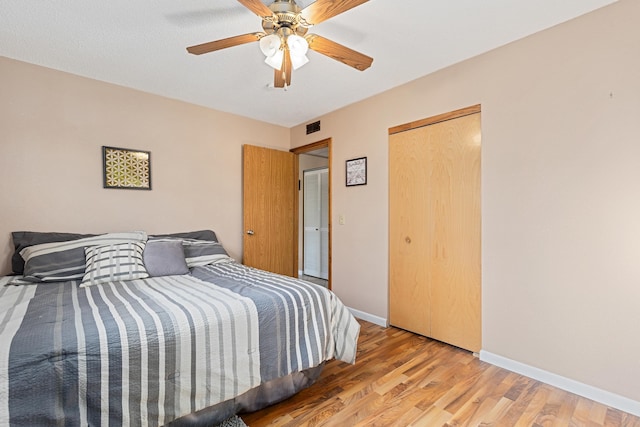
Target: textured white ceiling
(141, 44)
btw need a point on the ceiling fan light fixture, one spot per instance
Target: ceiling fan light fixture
(298, 47)
(284, 40)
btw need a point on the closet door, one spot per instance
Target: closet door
(409, 231)
(435, 226)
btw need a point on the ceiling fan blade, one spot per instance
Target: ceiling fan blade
(257, 7)
(321, 10)
(339, 52)
(282, 77)
(224, 43)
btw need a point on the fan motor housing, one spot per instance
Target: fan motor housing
(284, 6)
(288, 13)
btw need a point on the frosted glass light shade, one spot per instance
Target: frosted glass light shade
(270, 44)
(275, 60)
(298, 61)
(298, 47)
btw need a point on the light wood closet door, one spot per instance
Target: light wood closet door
(409, 231)
(434, 231)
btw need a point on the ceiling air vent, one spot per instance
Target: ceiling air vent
(313, 127)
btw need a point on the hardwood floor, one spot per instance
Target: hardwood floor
(316, 280)
(402, 379)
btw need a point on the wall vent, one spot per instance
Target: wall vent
(313, 127)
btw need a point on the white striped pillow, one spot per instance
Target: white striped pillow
(109, 263)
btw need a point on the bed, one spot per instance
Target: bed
(101, 330)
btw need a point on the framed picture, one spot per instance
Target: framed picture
(126, 168)
(356, 171)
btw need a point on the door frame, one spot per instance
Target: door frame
(325, 143)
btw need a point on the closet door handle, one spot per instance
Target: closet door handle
(407, 239)
(250, 232)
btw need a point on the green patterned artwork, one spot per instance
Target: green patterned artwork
(125, 168)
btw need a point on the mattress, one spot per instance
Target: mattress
(151, 351)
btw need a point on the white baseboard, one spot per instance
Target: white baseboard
(602, 396)
(380, 321)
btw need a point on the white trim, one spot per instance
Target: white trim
(602, 396)
(380, 321)
(300, 273)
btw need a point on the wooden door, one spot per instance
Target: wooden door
(409, 246)
(435, 231)
(270, 193)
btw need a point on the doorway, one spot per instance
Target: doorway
(315, 222)
(315, 157)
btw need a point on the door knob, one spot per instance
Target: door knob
(250, 232)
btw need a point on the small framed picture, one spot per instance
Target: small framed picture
(356, 171)
(125, 168)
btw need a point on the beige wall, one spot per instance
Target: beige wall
(52, 127)
(561, 194)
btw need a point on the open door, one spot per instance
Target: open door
(270, 193)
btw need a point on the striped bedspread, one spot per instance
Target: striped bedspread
(146, 352)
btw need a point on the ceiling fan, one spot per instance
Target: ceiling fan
(285, 41)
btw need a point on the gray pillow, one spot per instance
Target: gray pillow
(23, 239)
(165, 258)
(62, 261)
(199, 252)
(208, 235)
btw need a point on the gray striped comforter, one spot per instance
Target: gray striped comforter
(145, 352)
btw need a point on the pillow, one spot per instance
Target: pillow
(198, 252)
(164, 258)
(118, 261)
(22, 239)
(208, 235)
(61, 261)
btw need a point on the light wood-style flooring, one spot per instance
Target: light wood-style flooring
(402, 379)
